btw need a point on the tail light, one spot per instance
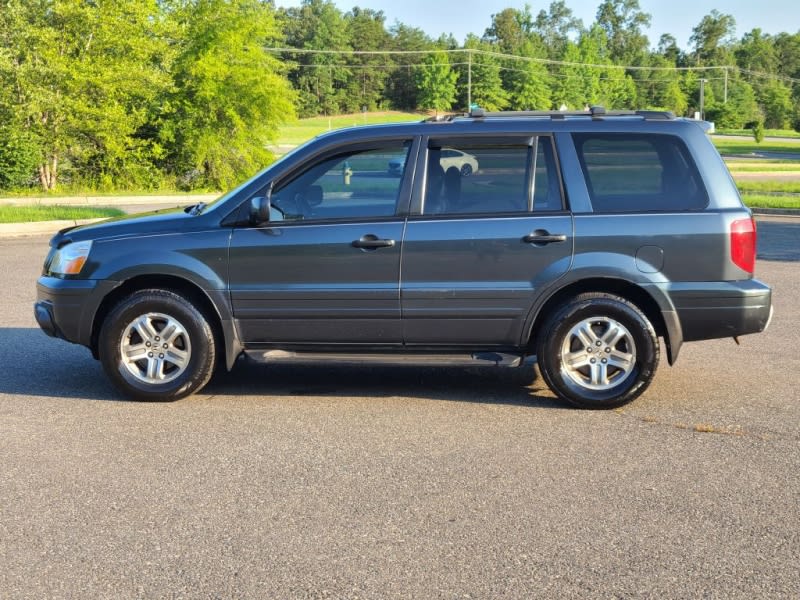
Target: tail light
(743, 244)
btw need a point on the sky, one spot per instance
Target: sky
(677, 17)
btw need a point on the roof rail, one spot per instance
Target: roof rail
(595, 112)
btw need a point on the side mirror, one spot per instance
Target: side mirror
(260, 207)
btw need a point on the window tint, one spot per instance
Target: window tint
(633, 173)
(463, 179)
(350, 185)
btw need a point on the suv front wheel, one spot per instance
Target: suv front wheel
(598, 351)
(155, 345)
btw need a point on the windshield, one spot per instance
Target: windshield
(216, 202)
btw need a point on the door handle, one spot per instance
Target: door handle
(542, 237)
(371, 242)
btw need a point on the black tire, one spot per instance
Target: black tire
(608, 372)
(183, 360)
(466, 170)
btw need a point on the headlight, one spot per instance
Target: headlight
(69, 259)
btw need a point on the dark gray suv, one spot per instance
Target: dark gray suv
(578, 238)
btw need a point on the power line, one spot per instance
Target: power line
(547, 61)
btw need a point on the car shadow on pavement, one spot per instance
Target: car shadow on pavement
(515, 386)
(779, 240)
(33, 364)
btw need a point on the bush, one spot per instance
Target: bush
(758, 131)
(19, 158)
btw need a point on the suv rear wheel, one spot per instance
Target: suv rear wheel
(598, 351)
(155, 345)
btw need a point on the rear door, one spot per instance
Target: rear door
(490, 232)
(326, 268)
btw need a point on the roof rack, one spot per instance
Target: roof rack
(595, 112)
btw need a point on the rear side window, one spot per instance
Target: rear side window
(486, 179)
(639, 173)
(472, 179)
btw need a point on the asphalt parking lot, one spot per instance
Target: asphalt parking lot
(338, 482)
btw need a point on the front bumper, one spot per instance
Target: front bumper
(65, 308)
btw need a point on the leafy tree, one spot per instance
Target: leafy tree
(401, 86)
(487, 85)
(436, 82)
(712, 37)
(230, 95)
(510, 30)
(320, 79)
(776, 101)
(622, 21)
(529, 82)
(555, 26)
(669, 50)
(84, 78)
(756, 52)
(366, 31)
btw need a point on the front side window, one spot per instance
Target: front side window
(349, 185)
(639, 173)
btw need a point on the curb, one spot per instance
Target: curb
(40, 227)
(109, 200)
(776, 212)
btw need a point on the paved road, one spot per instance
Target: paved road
(336, 482)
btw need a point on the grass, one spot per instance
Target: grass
(730, 146)
(786, 187)
(305, 129)
(762, 166)
(26, 214)
(783, 133)
(760, 201)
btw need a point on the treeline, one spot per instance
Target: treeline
(542, 61)
(147, 94)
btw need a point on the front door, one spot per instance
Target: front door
(326, 268)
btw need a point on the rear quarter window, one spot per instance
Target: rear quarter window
(639, 173)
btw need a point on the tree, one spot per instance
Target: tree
(669, 50)
(436, 82)
(554, 28)
(85, 77)
(366, 31)
(229, 94)
(776, 102)
(487, 86)
(756, 52)
(401, 85)
(320, 79)
(712, 37)
(622, 22)
(509, 30)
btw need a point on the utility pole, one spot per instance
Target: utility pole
(469, 80)
(725, 97)
(702, 99)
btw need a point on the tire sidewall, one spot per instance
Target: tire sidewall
(201, 361)
(641, 331)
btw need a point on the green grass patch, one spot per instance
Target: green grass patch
(756, 186)
(756, 166)
(11, 213)
(783, 133)
(305, 129)
(731, 146)
(756, 201)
